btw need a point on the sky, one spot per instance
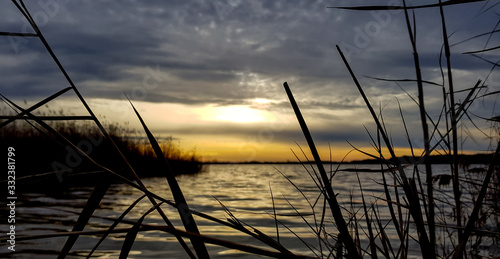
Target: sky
(210, 73)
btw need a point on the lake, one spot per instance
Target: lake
(243, 189)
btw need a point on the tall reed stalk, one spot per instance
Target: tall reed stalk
(412, 33)
(326, 185)
(453, 120)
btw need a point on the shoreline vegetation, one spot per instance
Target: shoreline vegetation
(51, 164)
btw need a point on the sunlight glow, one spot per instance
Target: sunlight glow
(239, 113)
(261, 101)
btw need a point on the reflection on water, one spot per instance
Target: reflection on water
(244, 189)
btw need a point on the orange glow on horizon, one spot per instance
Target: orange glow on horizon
(236, 150)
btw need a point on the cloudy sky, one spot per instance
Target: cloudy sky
(211, 73)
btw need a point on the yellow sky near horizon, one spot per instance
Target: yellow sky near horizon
(231, 133)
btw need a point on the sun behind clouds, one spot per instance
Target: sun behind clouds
(239, 113)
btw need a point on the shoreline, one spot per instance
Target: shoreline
(479, 158)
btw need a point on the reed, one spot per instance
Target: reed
(325, 183)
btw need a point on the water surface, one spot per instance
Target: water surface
(244, 189)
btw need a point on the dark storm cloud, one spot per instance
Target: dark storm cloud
(100, 40)
(207, 41)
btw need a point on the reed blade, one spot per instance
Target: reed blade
(373, 247)
(345, 236)
(481, 51)
(397, 7)
(49, 118)
(37, 105)
(132, 234)
(92, 204)
(275, 216)
(113, 226)
(17, 34)
(183, 208)
(402, 80)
